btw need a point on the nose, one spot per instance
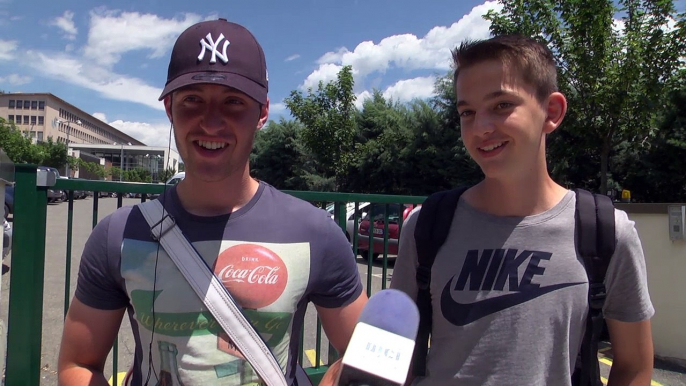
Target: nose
(213, 120)
(483, 124)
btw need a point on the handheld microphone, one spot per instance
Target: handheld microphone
(382, 344)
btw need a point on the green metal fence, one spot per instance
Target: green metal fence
(28, 258)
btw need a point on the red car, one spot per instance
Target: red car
(396, 213)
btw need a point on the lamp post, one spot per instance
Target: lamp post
(56, 122)
(121, 161)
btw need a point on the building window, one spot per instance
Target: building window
(11, 118)
(41, 105)
(19, 102)
(40, 136)
(26, 119)
(11, 103)
(34, 105)
(33, 119)
(27, 105)
(41, 120)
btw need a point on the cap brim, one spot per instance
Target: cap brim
(239, 82)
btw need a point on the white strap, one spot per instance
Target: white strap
(213, 293)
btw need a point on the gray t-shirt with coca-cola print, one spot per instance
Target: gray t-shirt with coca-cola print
(274, 255)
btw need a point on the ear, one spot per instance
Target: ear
(168, 107)
(556, 109)
(264, 115)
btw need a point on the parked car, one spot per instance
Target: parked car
(396, 213)
(176, 178)
(350, 216)
(9, 200)
(79, 194)
(54, 195)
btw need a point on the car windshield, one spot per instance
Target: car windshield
(394, 212)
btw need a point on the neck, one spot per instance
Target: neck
(216, 198)
(524, 196)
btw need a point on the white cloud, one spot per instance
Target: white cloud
(325, 73)
(113, 33)
(86, 74)
(7, 48)
(292, 57)
(406, 51)
(66, 24)
(409, 89)
(15, 79)
(359, 100)
(277, 108)
(403, 91)
(100, 116)
(151, 134)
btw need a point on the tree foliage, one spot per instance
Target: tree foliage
(614, 72)
(327, 115)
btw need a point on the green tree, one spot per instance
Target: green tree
(277, 155)
(329, 127)
(166, 174)
(613, 74)
(654, 170)
(17, 147)
(54, 153)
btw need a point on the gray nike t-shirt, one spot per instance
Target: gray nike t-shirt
(509, 295)
(274, 255)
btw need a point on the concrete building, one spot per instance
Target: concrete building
(152, 158)
(43, 115)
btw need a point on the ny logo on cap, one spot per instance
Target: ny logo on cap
(209, 44)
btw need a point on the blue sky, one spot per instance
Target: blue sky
(111, 59)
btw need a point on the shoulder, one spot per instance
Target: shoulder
(625, 228)
(290, 205)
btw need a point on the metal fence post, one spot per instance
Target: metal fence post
(26, 280)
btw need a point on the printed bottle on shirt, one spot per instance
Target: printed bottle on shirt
(169, 374)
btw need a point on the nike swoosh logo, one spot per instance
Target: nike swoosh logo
(461, 314)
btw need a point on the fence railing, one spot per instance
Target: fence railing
(381, 212)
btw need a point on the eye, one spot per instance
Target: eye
(465, 113)
(191, 99)
(504, 105)
(234, 101)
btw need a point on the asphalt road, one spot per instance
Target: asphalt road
(54, 288)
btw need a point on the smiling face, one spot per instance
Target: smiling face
(503, 124)
(214, 129)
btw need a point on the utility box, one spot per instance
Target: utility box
(677, 219)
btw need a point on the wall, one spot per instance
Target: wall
(666, 265)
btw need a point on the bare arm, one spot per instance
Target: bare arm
(340, 322)
(632, 349)
(88, 336)
(344, 318)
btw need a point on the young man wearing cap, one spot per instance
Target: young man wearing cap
(273, 252)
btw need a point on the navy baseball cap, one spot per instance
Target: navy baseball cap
(218, 52)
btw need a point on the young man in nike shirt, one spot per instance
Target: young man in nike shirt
(517, 216)
(273, 252)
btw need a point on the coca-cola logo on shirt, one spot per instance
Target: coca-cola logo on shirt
(254, 275)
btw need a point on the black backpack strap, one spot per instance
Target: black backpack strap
(431, 230)
(595, 229)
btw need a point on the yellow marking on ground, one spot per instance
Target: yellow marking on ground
(120, 379)
(312, 356)
(608, 362)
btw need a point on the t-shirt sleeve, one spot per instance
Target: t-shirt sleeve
(337, 281)
(97, 284)
(626, 281)
(404, 271)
